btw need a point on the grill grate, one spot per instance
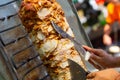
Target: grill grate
(17, 49)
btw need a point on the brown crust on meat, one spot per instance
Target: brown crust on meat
(53, 49)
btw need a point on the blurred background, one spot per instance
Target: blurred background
(100, 19)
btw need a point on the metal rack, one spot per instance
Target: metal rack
(16, 48)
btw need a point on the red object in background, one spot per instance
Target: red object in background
(100, 1)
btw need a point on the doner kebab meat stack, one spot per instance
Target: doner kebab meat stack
(54, 50)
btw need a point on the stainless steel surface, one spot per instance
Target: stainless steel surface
(4, 1)
(4, 70)
(6, 63)
(17, 46)
(21, 55)
(19, 58)
(6, 24)
(40, 70)
(19, 52)
(8, 9)
(13, 34)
